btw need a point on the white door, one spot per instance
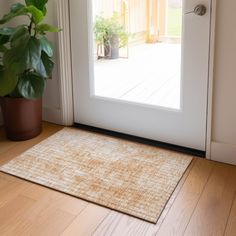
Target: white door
(159, 91)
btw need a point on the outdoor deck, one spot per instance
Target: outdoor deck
(151, 75)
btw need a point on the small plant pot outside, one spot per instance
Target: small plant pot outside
(115, 46)
(107, 50)
(22, 118)
(114, 53)
(111, 48)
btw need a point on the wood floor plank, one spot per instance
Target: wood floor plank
(231, 225)
(8, 178)
(20, 147)
(10, 213)
(205, 204)
(213, 209)
(5, 145)
(55, 199)
(11, 191)
(86, 223)
(43, 220)
(48, 223)
(117, 224)
(185, 203)
(3, 183)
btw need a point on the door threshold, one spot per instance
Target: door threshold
(141, 140)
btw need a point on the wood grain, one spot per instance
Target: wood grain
(204, 203)
(182, 209)
(54, 199)
(117, 224)
(10, 214)
(44, 220)
(231, 226)
(11, 191)
(215, 203)
(87, 221)
(16, 148)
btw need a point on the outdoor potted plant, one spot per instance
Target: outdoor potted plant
(110, 33)
(25, 65)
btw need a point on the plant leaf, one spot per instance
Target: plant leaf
(16, 10)
(4, 39)
(23, 57)
(20, 10)
(44, 11)
(45, 67)
(7, 31)
(16, 7)
(8, 82)
(31, 86)
(3, 48)
(20, 37)
(37, 14)
(40, 4)
(46, 46)
(43, 28)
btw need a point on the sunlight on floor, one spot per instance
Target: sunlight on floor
(151, 75)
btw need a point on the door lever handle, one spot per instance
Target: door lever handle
(199, 10)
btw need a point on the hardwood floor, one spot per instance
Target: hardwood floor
(204, 203)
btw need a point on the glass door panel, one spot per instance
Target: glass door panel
(137, 51)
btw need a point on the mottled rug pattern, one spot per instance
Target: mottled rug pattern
(129, 177)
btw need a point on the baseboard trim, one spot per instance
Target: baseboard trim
(52, 115)
(223, 152)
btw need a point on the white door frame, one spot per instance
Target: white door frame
(65, 63)
(66, 80)
(211, 81)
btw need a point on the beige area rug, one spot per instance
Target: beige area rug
(129, 177)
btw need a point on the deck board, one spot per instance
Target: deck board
(151, 75)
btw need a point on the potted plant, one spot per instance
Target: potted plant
(25, 65)
(110, 33)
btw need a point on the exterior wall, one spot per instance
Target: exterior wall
(136, 10)
(137, 16)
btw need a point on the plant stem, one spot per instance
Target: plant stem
(30, 26)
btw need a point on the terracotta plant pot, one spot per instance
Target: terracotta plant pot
(22, 117)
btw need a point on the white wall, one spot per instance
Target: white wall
(224, 98)
(51, 99)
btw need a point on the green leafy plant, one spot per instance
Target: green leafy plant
(106, 28)
(25, 52)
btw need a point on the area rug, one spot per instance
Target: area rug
(125, 176)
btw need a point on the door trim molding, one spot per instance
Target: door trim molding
(210, 81)
(65, 63)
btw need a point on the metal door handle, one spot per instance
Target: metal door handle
(199, 10)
